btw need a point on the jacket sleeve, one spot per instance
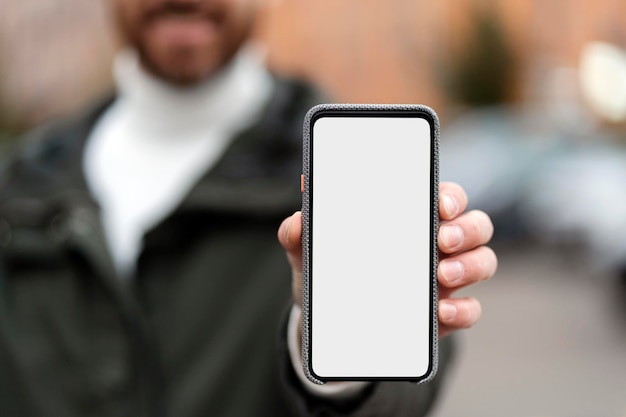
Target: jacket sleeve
(380, 398)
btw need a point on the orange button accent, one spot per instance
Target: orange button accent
(302, 183)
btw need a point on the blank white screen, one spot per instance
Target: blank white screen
(371, 225)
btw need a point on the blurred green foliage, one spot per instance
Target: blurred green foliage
(482, 72)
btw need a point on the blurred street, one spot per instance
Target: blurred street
(532, 101)
(551, 342)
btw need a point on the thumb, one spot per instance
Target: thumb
(290, 235)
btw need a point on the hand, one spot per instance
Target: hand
(464, 260)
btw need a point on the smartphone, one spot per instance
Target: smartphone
(370, 218)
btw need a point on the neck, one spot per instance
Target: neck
(212, 100)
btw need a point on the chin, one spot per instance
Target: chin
(188, 77)
(183, 69)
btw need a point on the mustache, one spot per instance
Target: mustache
(182, 8)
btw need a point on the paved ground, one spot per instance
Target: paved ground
(552, 342)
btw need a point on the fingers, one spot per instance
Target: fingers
(467, 268)
(456, 314)
(452, 200)
(461, 237)
(465, 232)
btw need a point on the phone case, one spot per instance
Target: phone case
(310, 118)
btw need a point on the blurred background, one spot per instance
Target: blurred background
(532, 99)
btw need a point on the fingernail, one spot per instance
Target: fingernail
(449, 205)
(447, 311)
(451, 236)
(452, 270)
(288, 228)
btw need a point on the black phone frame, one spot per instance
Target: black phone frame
(367, 110)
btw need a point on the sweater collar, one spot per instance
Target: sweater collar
(222, 100)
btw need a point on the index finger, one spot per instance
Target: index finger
(452, 200)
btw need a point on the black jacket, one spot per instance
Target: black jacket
(199, 331)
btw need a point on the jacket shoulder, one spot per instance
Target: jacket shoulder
(46, 154)
(293, 98)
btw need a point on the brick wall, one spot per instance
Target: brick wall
(56, 54)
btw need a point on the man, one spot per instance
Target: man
(140, 270)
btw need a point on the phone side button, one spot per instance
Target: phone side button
(302, 183)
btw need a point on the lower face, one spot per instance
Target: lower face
(186, 41)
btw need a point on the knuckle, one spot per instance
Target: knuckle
(477, 227)
(473, 226)
(477, 311)
(493, 260)
(472, 312)
(486, 262)
(481, 226)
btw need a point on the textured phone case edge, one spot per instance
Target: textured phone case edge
(310, 116)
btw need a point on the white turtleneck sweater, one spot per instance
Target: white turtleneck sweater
(155, 142)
